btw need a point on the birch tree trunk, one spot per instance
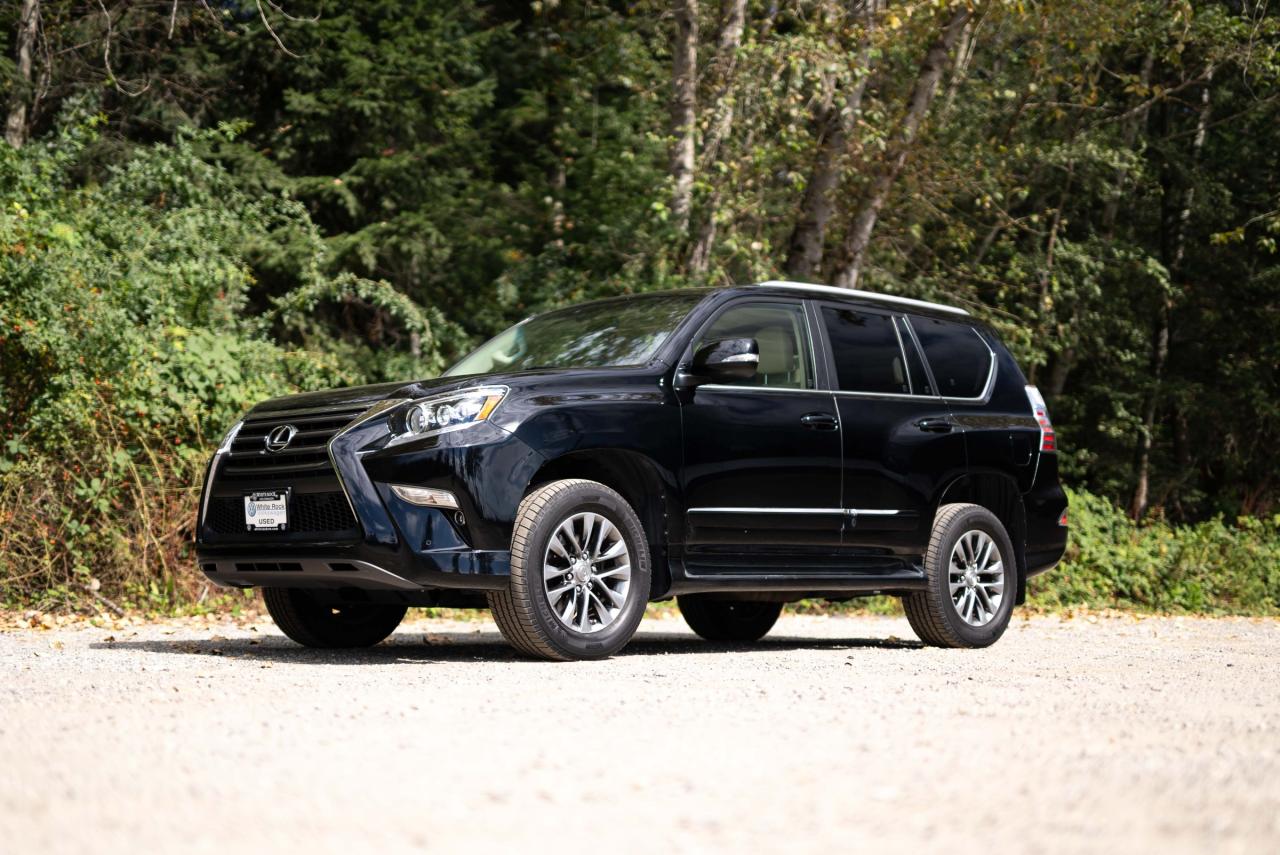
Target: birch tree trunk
(1132, 126)
(838, 120)
(684, 109)
(899, 148)
(1164, 316)
(723, 68)
(16, 126)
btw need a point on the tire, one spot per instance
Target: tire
(314, 624)
(728, 620)
(983, 615)
(524, 611)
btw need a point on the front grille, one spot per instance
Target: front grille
(309, 513)
(306, 454)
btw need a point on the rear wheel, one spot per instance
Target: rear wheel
(728, 620)
(312, 623)
(972, 579)
(579, 573)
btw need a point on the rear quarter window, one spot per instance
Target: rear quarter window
(957, 354)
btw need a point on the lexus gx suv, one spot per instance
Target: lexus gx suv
(736, 449)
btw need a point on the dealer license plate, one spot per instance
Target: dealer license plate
(266, 510)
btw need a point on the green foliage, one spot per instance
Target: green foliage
(1210, 567)
(129, 343)
(216, 219)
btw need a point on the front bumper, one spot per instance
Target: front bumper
(377, 541)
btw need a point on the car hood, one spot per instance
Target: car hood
(353, 397)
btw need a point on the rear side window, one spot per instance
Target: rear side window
(867, 354)
(959, 358)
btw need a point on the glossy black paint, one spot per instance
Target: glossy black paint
(686, 455)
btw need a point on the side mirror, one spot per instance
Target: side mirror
(724, 361)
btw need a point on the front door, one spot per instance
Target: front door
(761, 475)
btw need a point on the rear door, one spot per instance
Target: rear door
(900, 442)
(762, 464)
(986, 394)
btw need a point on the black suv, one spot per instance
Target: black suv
(735, 448)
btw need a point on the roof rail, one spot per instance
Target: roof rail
(865, 295)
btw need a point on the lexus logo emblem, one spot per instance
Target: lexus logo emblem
(280, 437)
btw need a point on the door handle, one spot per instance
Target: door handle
(820, 421)
(935, 425)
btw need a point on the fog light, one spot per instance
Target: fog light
(426, 496)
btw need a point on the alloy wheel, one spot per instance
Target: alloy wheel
(976, 578)
(586, 572)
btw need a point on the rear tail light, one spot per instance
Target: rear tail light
(1048, 440)
(1062, 518)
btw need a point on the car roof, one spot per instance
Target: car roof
(833, 292)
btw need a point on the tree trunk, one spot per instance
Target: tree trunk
(684, 109)
(722, 72)
(1160, 342)
(960, 67)
(1132, 126)
(900, 144)
(837, 121)
(16, 127)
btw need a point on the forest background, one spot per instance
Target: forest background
(206, 203)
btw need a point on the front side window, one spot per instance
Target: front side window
(781, 334)
(866, 350)
(603, 334)
(959, 358)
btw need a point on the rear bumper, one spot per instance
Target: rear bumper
(1045, 504)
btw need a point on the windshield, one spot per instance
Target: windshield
(603, 334)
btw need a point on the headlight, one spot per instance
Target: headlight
(445, 413)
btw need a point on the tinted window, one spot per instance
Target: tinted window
(958, 356)
(592, 335)
(919, 378)
(867, 355)
(780, 333)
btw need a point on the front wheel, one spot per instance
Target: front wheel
(728, 620)
(312, 623)
(971, 575)
(579, 573)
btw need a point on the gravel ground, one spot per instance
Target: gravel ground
(1084, 735)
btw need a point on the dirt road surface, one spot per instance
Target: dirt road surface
(833, 735)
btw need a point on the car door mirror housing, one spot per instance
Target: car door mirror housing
(726, 360)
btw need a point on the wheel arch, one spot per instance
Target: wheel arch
(997, 492)
(640, 481)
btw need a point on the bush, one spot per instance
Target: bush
(1210, 567)
(129, 342)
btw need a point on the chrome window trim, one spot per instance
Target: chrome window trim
(787, 390)
(867, 295)
(720, 387)
(887, 395)
(987, 388)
